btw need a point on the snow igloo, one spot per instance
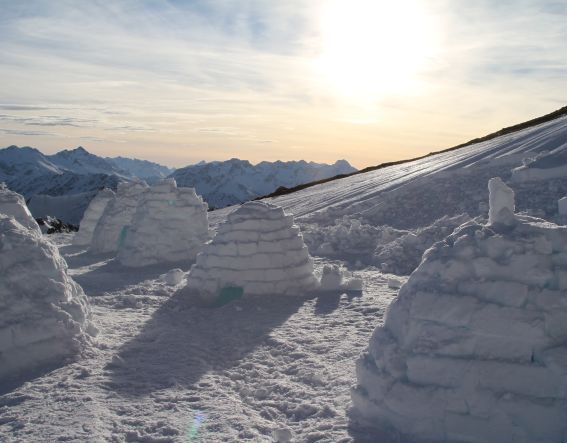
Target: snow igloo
(91, 217)
(170, 225)
(44, 314)
(14, 205)
(113, 225)
(258, 249)
(474, 348)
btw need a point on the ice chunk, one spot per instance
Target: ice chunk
(501, 201)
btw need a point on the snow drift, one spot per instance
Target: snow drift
(14, 205)
(114, 223)
(474, 348)
(258, 249)
(170, 225)
(91, 217)
(44, 314)
(545, 166)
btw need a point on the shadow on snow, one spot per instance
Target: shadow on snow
(181, 342)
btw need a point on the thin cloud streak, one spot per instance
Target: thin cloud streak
(183, 81)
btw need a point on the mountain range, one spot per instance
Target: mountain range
(48, 181)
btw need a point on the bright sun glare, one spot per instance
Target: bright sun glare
(373, 48)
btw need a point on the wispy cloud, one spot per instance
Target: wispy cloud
(225, 75)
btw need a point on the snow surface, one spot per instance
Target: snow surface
(170, 225)
(13, 204)
(474, 346)
(44, 314)
(165, 370)
(546, 165)
(91, 217)
(116, 219)
(258, 249)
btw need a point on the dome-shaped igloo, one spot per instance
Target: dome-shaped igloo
(114, 223)
(170, 225)
(14, 205)
(474, 348)
(258, 249)
(44, 314)
(91, 217)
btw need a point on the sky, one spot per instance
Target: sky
(369, 81)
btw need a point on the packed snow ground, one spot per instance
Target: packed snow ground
(161, 366)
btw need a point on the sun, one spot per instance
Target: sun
(373, 48)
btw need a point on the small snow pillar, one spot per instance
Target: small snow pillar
(562, 206)
(501, 202)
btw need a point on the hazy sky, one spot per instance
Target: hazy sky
(180, 81)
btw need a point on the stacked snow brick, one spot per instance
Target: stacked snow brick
(115, 221)
(170, 225)
(14, 205)
(258, 249)
(474, 348)
(44, 314)
(91, 217)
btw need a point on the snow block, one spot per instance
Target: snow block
(113, 225)
(44, 314)
(170, 225)
(258, 249)
(91, 217)
(13, 204)
(479, 352)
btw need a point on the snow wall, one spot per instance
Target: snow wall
(44, 314)
(91, 217)
(258, 249)
(170, 225)
(474, 348)
(115, 221)
(14, 205)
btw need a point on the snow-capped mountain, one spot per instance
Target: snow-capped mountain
(76, 171)
(236, 181)
(80, 161)
(143, 169)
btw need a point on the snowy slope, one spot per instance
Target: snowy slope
(143, 169)
(366, 195)
(236, 181)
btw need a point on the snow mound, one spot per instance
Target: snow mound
(258, 249)
(545, 166)
(44, 314)
(170, 225)
(402, 255)
(14, 205)
(173, 277)
(91, 217)
(115, 221)
(474, 348)
(336, 279)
